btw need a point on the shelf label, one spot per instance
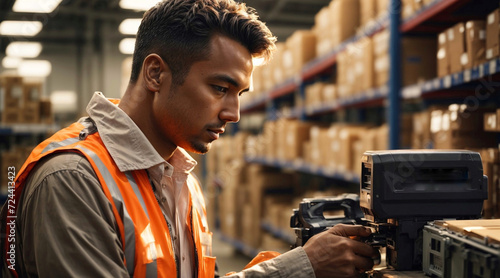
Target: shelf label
(437, 83)
(481, 71)
(467, 75)
(493, 66)
(447, 81)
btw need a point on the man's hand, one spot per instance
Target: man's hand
(333, 254)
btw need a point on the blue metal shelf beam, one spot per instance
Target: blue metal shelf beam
(305, 168)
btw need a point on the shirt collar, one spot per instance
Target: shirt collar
(127, 145)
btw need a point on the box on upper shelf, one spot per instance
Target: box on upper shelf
(301, 46)
(493, 35)
(12, 92)
(345, 19)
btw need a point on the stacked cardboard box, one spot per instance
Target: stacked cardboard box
(368, 11)
(30, 112)
(462, 47)
(492, 121)
(493, 35)
(459, 127)
(21, 102)
(302, 49)
(345, 19)
(421, 134)
(356, 68)
(12, 99)
(262, 182)
(491, 168)
(322, 28)
(418, 62)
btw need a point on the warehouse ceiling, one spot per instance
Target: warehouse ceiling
(79, 21)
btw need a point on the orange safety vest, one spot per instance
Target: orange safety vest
(144, 232)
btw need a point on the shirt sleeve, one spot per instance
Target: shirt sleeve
(292, 264)
(66, 223)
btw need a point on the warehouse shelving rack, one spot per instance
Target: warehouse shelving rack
(422, 22)
(391, 95)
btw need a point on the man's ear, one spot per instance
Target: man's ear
(153, 71)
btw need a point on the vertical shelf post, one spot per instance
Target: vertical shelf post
(393, 109)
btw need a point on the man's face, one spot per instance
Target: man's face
(194, 114)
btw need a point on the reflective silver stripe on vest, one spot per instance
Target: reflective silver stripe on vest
(63, 143)
(120, 206)
(138, 194)
(151, 268)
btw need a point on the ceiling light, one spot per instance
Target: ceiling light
(127, 46)
(11, 62)
(64, 101)
(137, 5)
(34, 68)
(24, 49)
(20, 28)
(129, 26)
(35, 6)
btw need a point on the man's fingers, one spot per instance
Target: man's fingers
(350, 230)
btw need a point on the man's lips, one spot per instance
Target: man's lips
(214, 133)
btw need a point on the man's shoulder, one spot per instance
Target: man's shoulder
(59, 169)
(62, 161)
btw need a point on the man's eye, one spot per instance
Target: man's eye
(220, 89)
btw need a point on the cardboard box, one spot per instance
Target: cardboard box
(491, 122)
(262, 183)
(322, 29)
(329, 92)
(281, 137)
(418, 62)
(314, 94)
(381, 58)
(12, 91)
(32, 92)
(297, 133)
(364, 65)
(383, 7)
(334, 145)
(11, 115)
(456, 46)
(457, 139)
(475, 37)
(408, 8)
(368, 11)
(278, 72)
(269, 136)
(465, 119)
(30, 113)
(443, 57)
(302, 44)
(493, 35)
(348, 138)
(421, 135)
(46, 115)
(345, 16)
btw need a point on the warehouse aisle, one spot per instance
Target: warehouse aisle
(228, 259)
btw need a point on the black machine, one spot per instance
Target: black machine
(309, 219)
(402, 190)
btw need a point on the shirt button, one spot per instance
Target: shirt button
(163, 185)
(163, 199)
(183, 258)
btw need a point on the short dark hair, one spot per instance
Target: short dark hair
(179, 31)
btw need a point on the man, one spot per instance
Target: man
(113, 195)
